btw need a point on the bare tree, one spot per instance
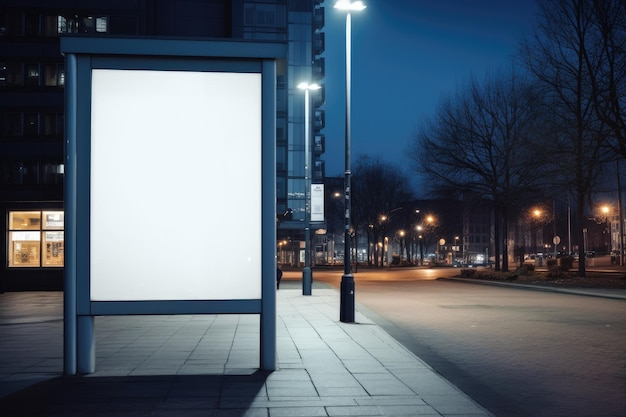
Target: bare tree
(483, 142)
(607, 66)
(379, 189)
(564, 55)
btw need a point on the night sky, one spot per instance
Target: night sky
(406, 56)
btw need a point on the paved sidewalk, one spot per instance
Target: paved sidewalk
(207, 365)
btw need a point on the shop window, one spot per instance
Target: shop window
(25, 220)
(36, 239)
(52, 238)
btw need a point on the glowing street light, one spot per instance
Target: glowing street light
(348, 5)
(346, 307)
(307, 275)
(605, 211)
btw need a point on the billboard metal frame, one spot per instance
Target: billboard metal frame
(82, 55)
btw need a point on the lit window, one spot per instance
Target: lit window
(33, 243)
(67, 24)
(102, 25)
(55, 75)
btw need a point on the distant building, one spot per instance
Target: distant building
(32, 77)
(478, 245)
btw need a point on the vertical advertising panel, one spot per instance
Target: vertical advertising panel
(175, 185)
(317, 202)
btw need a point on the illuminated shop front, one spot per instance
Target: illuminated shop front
(35, 239)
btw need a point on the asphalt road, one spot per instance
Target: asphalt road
(517, 352)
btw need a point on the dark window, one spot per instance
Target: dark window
(31, 25)
(13, 124)
(32, 74)
(50, 26)
(55, 75)
(11, 74)
(53, 124)
(21, 172)
(53, 173)
(4, 18)
(15, 24)
(31, 124)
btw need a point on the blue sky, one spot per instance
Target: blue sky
(406, 56)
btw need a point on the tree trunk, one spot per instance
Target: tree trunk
(496, 236)
(582, 249)
(505, 235)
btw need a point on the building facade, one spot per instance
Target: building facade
(32, 77)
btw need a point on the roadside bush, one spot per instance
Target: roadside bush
(526, 269)
(567, 263)
(497, 275)
(554, 271)
(468, 273)
(560, 267)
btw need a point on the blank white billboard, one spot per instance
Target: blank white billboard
(175, 204)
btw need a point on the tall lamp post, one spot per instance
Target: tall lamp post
(307, 275)
(346, 307)
(605, 211)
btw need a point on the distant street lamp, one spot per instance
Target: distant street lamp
(605, 211)
(346, 307)
(307, 275)
(421, 245)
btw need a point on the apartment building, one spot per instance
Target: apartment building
(32, 76)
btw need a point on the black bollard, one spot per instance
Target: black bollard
(346, 304)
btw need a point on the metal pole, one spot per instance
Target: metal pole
(346, 306)
(70, 191)
(307, 277)
(621, 217)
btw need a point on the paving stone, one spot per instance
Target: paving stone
(207, 365)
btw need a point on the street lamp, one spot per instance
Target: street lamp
(605, 211)
(307, 275)
(421, 245)
(346, 307)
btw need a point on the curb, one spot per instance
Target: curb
(575, 291)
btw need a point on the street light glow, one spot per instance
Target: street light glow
(306, 86)
(350, 5)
